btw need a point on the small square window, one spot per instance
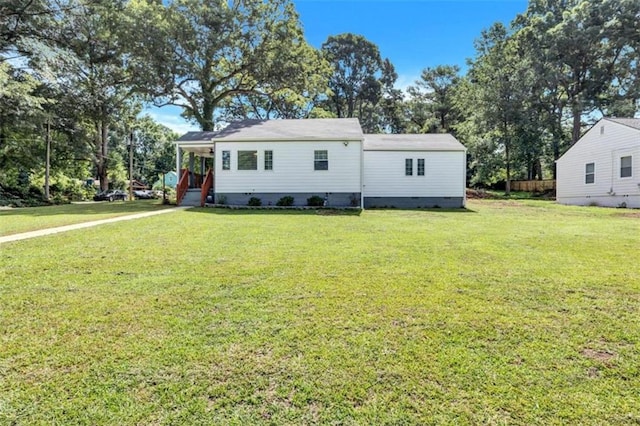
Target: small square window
(268, 160)
(590, 173)
(247, 160)
(626, 167)
(226, 160)
(420, 166)
(408, 167)
(321, 160)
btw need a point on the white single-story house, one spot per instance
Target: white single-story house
(327, 158)
(603, 167)
(416, 170)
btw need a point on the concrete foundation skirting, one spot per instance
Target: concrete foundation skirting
(333, 199)
(413, 202)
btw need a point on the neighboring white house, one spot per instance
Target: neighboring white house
(271, 159)
(411, 171)
(603, 167)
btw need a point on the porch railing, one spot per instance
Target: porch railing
(183, 185)
(206, 186)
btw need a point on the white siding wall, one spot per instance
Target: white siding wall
(384, 174)
(293, 168)
(605, 150)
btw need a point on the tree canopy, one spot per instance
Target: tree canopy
(79, 73)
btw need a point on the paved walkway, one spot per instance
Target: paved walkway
(49, 231)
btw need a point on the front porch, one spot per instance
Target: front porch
(195, 172)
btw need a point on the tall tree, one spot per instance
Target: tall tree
(500, 93)
(355, 82)
(579, 49)
(201, 54)
(392, 103)
(91, 66)
(432, 108)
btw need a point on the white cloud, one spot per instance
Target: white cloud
(170, 117)
(405, 81)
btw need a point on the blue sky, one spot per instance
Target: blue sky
(413, 34)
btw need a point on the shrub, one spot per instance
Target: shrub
(254, 202)
(315, 201)
(286, 201)
(222, 199)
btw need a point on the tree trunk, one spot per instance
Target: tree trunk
(47, 169)
(538, 169)
(577, 124)
(507, 186)
(102, 142)
(207, 123)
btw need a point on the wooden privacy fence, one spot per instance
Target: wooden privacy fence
(533, 185)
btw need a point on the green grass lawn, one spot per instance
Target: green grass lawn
(15, 221)
(514, 312)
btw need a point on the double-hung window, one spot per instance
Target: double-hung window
(321, 160)
(226, 160)
(626, 167)
(268, 160)
(247, 160)
(420, 166)
(590, 173)
(408, 167)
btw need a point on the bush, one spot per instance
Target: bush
(315, 201)
(254, 202)
(286, 201)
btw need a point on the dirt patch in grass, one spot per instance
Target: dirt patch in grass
(603, 356)
(634, 214)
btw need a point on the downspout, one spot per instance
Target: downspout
(464, 178)
(362, 173)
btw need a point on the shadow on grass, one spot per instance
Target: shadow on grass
(314, 212)
(87, 209)
(275, 212)
(425, 210)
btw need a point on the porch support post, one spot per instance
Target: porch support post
(202, 166)
(192, 159)
(178, 161)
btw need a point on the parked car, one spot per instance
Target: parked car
(144, 194)
(110, 195)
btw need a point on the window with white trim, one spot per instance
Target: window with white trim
(247, 160)
(590, 173)
(321, 160)
(420, 166)
(408, 167)
(626, 169)
(226, 160)
(268, 160)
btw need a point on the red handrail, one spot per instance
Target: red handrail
(206, 186)
(183, 185)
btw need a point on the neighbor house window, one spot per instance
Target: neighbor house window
(247, 160)
(408, 167)
(625, 167)
(268, 160)
(420, 166)
(321, 160)
(226, 160)
(590, 173)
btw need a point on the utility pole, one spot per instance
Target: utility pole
(47, 169)
(131, 165)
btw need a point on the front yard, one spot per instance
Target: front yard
(15, 221)
(519, 312)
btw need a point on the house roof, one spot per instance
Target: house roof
(282, 130)
(631, 122)
(412, 142)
